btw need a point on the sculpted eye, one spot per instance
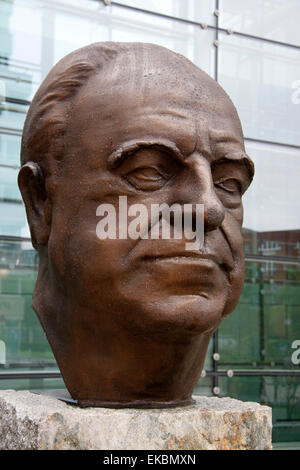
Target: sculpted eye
(231, 185)
(146, 178)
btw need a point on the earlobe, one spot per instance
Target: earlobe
(31, 182)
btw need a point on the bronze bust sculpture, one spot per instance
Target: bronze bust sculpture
(129, 320)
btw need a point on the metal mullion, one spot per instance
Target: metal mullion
(10, 131)
(276, 259)
(215, 377)
(209, 373)
(272, 142)
(8, 99)
(30, 375)
(197, 23)
(13, 238)
(255, 373)
(14, 167)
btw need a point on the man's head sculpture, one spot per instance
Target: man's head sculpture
(130, 319)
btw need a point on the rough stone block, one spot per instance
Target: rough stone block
(31, 421)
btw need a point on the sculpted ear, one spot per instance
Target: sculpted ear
(32, 186)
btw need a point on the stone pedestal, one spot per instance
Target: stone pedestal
(31, 421)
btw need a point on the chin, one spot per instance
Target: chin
(176, 317)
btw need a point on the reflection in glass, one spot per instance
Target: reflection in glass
(259, 77)
(9, 191)
(26, 344)
(281, 393)
(32, 383)
(271, 221)
(201, 12)
(262, 328)
(10, 149)
(276, 20)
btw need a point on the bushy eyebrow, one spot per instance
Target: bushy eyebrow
(241, 157)
(236, 157)
(219, 140)
(129, 148)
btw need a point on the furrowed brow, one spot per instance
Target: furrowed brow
(129, 148)
(238, 157)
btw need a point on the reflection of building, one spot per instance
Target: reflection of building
(281, 247)
(280, 243)
(12, 308)
(275, 243)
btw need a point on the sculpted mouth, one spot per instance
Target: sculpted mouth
(182, 257)
(188, 257)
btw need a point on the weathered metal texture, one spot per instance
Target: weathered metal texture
(130, 320)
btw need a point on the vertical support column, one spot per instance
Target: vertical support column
(215, 378)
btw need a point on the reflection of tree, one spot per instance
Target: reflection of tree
(293, 398)
(284, 394)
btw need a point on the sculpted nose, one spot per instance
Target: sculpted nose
(199, 189)
(214, 213)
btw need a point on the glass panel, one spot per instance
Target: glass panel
(204, 387)
(193, 10)
(238, 335)
(9, 190)
(13, 220)
(16, 83)
(259, 77)
(12, 116)
(26, 346)
(208, 364)
(281, 393)
(261, 330)
(51, 31)
(31, 384)
(10, 149)
(271, 217)
(124, 25)
(274, 19)
(93, 27)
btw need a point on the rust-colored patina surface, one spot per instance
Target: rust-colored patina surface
(129, 320)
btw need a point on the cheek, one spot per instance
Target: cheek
(85, 264)
(237, 214)
(236, 279)
(232, 226)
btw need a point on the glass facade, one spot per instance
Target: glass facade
(253, 50)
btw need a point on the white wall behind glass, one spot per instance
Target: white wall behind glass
(200, 11)
(272, 19)
(259, 77)
(9, 149)
(124, 25)
(13, 220)
(272, 201)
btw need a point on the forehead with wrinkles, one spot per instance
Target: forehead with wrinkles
(118, 90)
(150, 91)
(156, 77)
